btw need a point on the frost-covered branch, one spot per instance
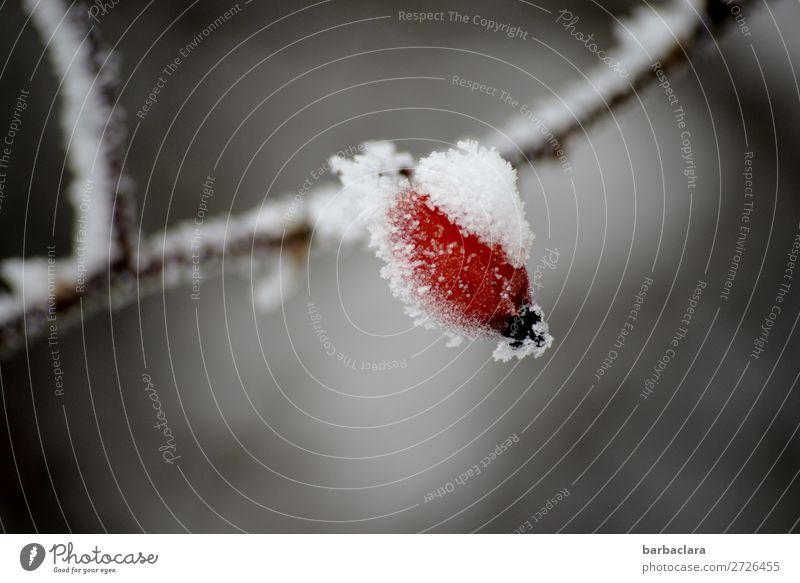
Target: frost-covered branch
(107, 267)
(93, 133)
(184, 256)
(668, 34)
(100, 199)
(252, 244)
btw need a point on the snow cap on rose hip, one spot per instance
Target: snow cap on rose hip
(454, 239)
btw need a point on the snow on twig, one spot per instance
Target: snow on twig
(93, 134)
(166, 260)
(668, 34)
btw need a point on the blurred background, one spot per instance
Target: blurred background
(381, 427)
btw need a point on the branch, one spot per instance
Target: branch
(185, 255)
(103, 252)
(93, 137)
(93, 133)
(670, 35)
(104, 266)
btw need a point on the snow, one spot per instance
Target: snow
(30, 285)
(477, 189)
(644, 37)
(84, 119)
(334, 223)
(473, 185)
(209, 240)
(370, 180)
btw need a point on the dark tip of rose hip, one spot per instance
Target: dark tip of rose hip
(521, 326)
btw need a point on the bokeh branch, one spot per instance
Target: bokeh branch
(106, 268)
